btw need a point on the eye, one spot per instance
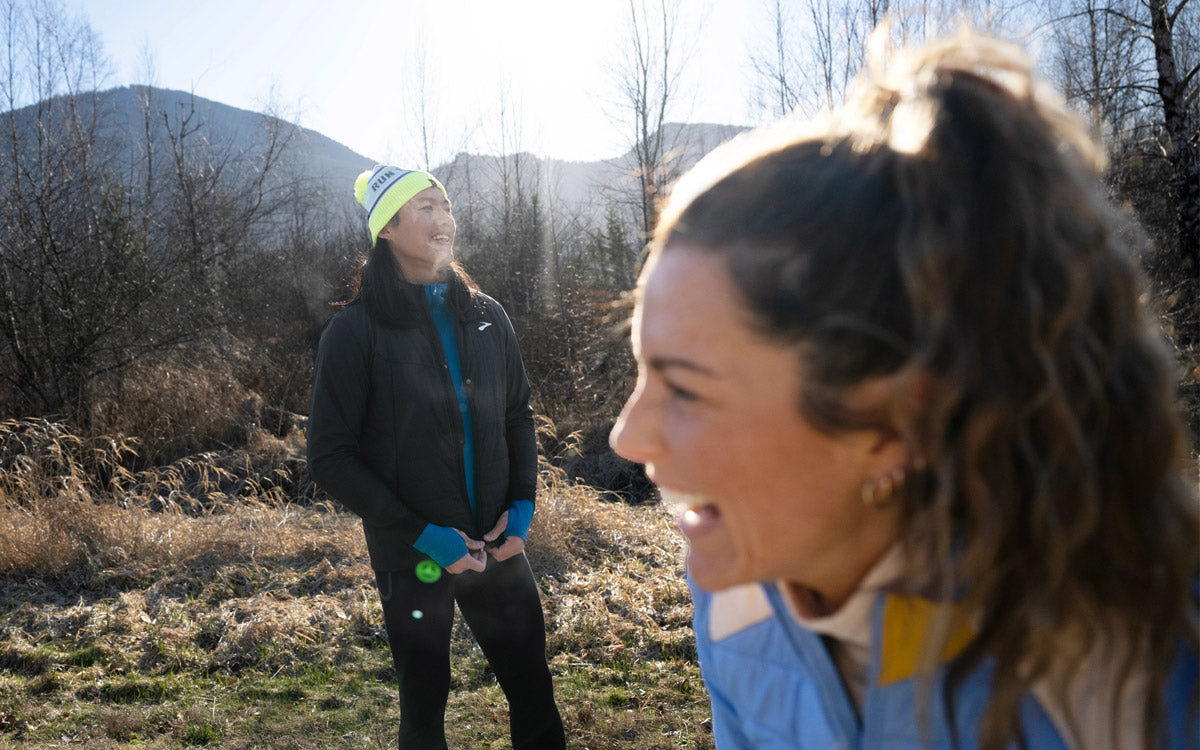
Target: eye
(679, 393)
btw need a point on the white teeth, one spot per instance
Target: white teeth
(679, 502)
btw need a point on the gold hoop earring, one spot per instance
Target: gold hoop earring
(880, 491)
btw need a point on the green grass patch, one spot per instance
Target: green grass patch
(130, 690)
(198, 735)
(85, 657)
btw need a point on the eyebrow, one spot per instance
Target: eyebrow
(665, 363)
(431, 201)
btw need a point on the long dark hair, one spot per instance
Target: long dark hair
(378, 286)
(951, 222)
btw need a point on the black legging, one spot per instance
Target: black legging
(504, 612)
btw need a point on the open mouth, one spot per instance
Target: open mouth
(693, 513)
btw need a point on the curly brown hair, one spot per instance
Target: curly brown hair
(949, 220)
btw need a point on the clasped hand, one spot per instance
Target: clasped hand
(476, 557)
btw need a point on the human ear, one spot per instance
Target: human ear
(901, 401)
(392, 224)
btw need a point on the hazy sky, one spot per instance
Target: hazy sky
(345, 67)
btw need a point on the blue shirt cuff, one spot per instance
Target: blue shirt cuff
(442, 543)
(520, 516)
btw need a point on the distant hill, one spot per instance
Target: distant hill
(579, 190)
(126, 119)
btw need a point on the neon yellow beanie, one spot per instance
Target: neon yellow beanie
(382, 191)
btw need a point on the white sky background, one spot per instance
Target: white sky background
(344, 67)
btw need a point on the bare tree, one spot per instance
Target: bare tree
(1178, 89)
(423, 101)
(522, 219)
(649, 79)
(501, 227)
(837, 49)
(107, 252)
(54, 241)
(1091, 51)
(434, 140)
(1134, 65)
(814, 55)
(778, 72)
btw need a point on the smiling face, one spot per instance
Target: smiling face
(715, 418)
(421, 237)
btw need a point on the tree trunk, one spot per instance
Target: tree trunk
(1181, 130)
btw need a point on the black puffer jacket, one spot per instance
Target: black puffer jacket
(385, 433)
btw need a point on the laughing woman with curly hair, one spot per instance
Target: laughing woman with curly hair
(895, 370)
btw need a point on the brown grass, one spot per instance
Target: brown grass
(180, 403)
(196, 605)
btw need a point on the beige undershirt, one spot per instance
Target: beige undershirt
(848, 630)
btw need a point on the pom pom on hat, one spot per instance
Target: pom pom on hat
(384, 190)
(360, 186)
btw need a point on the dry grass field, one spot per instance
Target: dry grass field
(219, 602)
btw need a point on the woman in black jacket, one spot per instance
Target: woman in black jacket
(421, 425)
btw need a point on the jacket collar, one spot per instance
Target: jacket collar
(412, 307)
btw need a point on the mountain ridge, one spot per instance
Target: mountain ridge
(581, 188)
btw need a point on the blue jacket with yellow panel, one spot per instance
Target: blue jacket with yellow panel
(775, 684)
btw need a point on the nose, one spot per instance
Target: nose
(635, 435)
